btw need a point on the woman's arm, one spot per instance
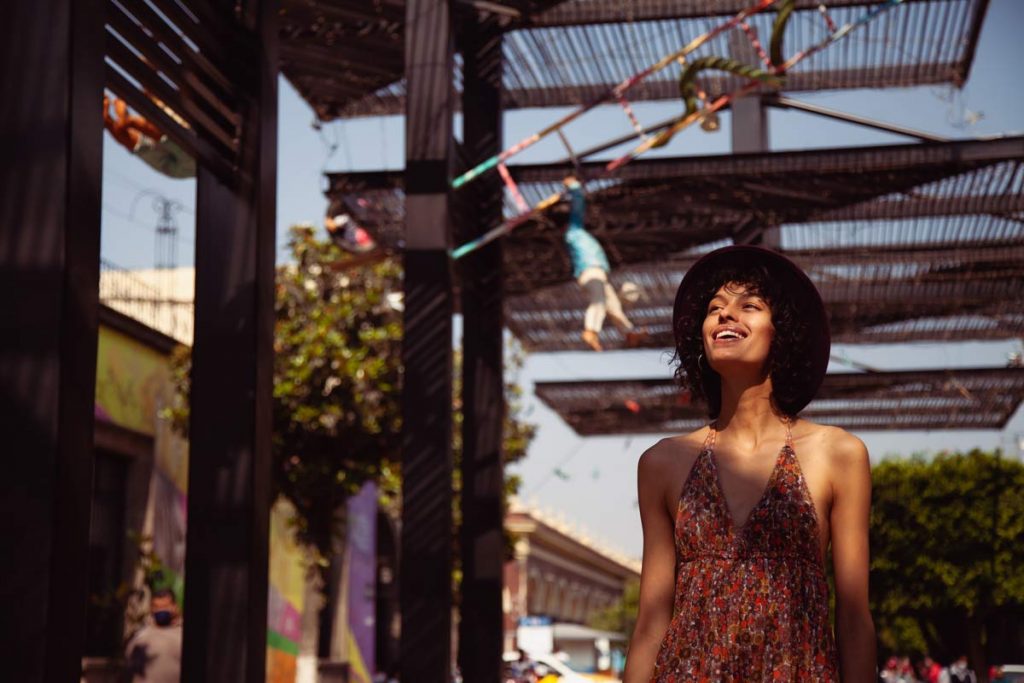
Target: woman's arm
(657, 578)
(851, 507)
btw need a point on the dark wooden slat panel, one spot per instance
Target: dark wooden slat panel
(226, 562)
(199, 119)
(204, 152)
(51, 65)
(210, 66)
(213, 97)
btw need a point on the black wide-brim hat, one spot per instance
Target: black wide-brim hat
(818, 340)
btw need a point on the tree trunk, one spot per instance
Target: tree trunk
(976, 645)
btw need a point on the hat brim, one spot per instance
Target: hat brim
(818, 341)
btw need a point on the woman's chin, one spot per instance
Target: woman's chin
(727, 361)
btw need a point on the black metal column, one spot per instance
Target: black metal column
(226, 570)
(749, 132)
(483, 405)
(51, 65)
(426, 557)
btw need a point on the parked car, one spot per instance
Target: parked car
(1011, 673)
(566, 674)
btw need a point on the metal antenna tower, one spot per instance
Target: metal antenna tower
(166, 252)
(166, 233)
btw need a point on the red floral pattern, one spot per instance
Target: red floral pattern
(751, 601)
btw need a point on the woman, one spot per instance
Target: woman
(737, 516)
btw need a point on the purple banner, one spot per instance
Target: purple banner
(362, 572)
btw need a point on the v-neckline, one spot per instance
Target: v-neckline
(735, 528)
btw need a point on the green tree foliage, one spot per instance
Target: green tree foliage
(337, 387)
(947, 547)
(619, 617)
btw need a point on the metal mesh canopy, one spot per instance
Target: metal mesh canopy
(346, 57)
(906, 243)
(921, 399)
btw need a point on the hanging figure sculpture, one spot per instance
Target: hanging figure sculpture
(590, 267)
(140, 137)
(348, 234)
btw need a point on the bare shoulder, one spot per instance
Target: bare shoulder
(844, 462)
(663, 463)
(842, 447)
(668, 452)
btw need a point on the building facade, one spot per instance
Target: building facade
(557, 581)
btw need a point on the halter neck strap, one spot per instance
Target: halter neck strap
(709, 440)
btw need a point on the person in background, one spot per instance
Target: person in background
(891, 672)
(929, 670)
(154, 652)
(959, 672)
(590, 267)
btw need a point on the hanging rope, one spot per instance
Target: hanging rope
(686, 120)
(612, 94)
(779, 32)
(688, 79)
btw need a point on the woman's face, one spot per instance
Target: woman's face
(737, 329)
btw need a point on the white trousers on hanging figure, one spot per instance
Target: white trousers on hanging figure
(603, 301)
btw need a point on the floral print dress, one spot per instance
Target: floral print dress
(751, 601)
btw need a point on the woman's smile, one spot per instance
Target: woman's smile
(726, 335)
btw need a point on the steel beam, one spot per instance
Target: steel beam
(425, 574)
(483, 405)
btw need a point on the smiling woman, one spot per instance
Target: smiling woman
(736, 523)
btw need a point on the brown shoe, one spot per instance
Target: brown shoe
(591, 339)
(636, 338)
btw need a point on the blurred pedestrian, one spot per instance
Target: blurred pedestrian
(960, 672)
(154, 652)
(890, 672)
(929, 670)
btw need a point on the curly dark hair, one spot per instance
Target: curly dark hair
(788, 364)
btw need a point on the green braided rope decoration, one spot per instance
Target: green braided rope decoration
(779, 30)
(688, 79)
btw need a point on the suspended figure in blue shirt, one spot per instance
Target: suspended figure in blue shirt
(590, 267)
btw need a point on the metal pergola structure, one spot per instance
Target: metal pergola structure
(523, 53)
(943, 220)
(983, 398)
(214, 63)
(205, 72)
(566, 53)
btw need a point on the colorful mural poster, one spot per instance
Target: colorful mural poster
(133, 384)
(361, 562)
(286, 596)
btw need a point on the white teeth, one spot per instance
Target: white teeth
(728, 333)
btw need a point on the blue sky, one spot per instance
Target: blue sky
(600, 490)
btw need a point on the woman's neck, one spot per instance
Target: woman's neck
(747, 412)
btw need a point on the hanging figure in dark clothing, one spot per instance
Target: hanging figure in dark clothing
(590, 267)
